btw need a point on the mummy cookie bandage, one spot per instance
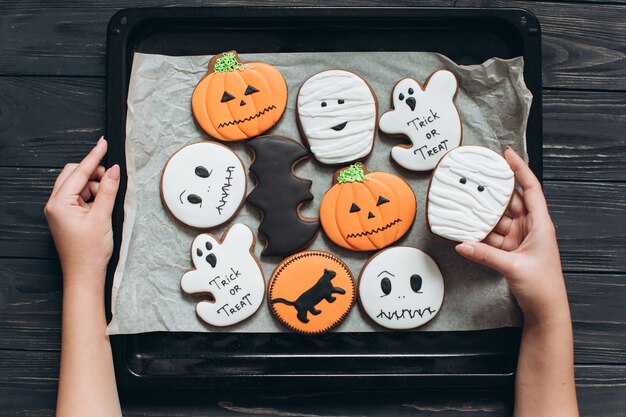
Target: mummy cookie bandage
(337, 113)
(203, 184)
(469, 192)
(228, 271)
(401, 288)
(428, 117)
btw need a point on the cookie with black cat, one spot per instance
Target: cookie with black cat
(311, 292)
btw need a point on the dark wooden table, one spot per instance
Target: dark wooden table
(52, 94)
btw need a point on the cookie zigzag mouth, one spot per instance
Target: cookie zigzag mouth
(371, 232)
(247, 119)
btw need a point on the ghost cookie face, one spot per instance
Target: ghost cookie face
(203, 184)
(228, 271)
(427, 116)
(337, 113)
(401, 288)
(236, 100)
(469, 192)
(365, 211)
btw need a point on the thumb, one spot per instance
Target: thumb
(486, 255)
(105, 198)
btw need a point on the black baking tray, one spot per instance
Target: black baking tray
(227, 361)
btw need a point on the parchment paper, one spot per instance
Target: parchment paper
(493, 102)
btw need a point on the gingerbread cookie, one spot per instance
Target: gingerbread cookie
(237, 101)
(428, 117)
(203, 184)
(469, 192)
(228, 271)
(401, 288)
(311, 292)
(280, 193)
(366, 211)
(337, 113)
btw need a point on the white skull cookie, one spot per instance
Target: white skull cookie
(468, 193)
(401, 288)
(428, 117)
(203, 184)
(228, 271)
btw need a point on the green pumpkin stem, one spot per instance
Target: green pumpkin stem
(354, 173)
(227, 62)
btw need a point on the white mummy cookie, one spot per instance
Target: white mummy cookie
(228, 270)
(337, 113)
(401, 288)
(428, 117)
(468, 193)
(203, 184)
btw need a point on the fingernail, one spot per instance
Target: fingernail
(101, 140)
(114, 172)
(465, 249)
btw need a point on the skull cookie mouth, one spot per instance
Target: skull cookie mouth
(247, 119)
(374, 231)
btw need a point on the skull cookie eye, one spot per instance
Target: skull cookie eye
(416, 283)
(194, 199)
(250, 90)
(202, 172)
(227, 97)
(354, 208)
(385, 285)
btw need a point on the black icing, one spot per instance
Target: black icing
(463, 180)
(381, 200)
(323, 104)
(202, 172)
(198, 252)
(194, 199)
(411, 102)
(401, 96)
(211, 259)
(340, 101)
(209, 246)
(354, 208)
(385, 285)
(242, 103)
(339, 127)
(370, 215)
(416, 283)
(411, 91)
(227, 97)
(481, 188)
(250, 90)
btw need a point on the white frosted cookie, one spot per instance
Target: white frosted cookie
(228, 271)
(401, 288)
(203, 184)
(468, 193)
(337, 113)
(428, 117)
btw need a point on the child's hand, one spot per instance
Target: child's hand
(523, 248)
(81, 228)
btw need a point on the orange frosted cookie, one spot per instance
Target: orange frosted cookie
(311, 292)
(237, 101)
(366, 211)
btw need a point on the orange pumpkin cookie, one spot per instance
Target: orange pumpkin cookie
(311, 292)
(366, 211)
(237, 101)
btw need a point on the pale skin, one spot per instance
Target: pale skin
(522, 247)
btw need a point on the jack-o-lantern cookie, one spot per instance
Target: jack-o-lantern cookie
(365, 211)
(227, 270)
(203, 184)
(469, 192)
(337, 114)
(237, 101)
(428, 117)
(401, 288)
(311, 292)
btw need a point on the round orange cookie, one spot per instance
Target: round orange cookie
(237, 101)
(311, 292)
(365, 211)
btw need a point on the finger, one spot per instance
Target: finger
(494, 239)
(107, 190)
(486, 255)
(517, 208)
(90, 190)
(78, 179)
(503, 226)
(533, 195)
(65, 172)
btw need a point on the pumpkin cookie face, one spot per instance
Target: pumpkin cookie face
(365, 211)
(237, 101)
(311, 292)
(401, 288)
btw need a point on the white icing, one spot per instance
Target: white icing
(433, 125)
(359, 110)
(402, 307)
(221, 192)
(235, 281)
(459, 211)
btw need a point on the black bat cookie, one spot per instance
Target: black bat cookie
(279, 195)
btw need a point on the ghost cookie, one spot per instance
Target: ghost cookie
(365, 211)
(279, 193)
(337, 113)
(311, 292)
(228, 271)
(469, 192)
(428, 117)
(237, 101)
(401, 288)
(203, 184)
